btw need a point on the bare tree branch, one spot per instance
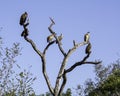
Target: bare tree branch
(46, 48)
(63, 84)
(46, 76)
(49, 28)
(59, 43)
(67, 56)
(61, 72)
(34, 46)
(43, 61)
(82, 62)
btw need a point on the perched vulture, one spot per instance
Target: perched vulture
(60, 38)
(23, 18)
(50, 38)
(87, 37)
(88, 48)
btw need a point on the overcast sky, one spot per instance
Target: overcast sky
(73, 19)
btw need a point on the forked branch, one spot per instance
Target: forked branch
(82, 62)
(42, 55)
(46, 48)
(62, 68)
(63, 84)
(57, 90)
(59, 42)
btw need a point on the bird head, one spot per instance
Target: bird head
(88, 32)
(61, 35)
(26, 13)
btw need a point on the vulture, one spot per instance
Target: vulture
(88, 49)
(60, 38)
(50, 38)
(87, 37)
(23, 18)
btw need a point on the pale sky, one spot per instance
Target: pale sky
(73, 19)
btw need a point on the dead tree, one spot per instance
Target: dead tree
(58, 88)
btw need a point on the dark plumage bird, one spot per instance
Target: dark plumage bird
(23, 18)
(87, 37)
(25, 32)
(88, 48)
(50, 38)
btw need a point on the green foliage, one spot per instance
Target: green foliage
(67, 93)
(24, 81)
(112, 81)
(12, 84)
(108, 81)
(79, 90)
(7, 59)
